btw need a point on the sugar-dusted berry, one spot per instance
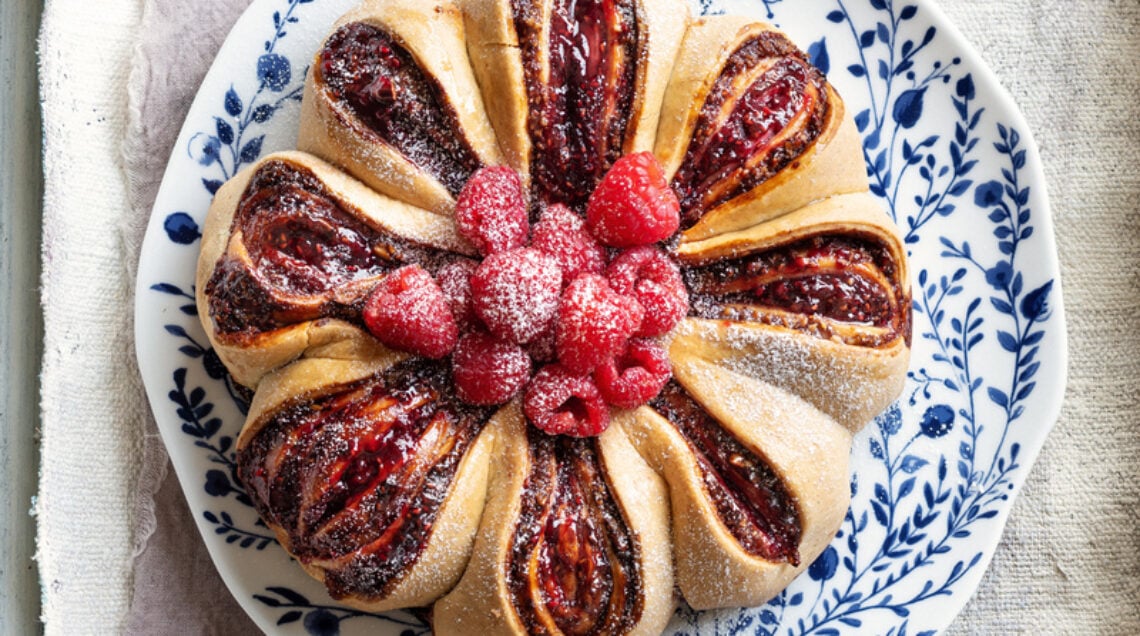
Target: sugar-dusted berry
(454, 279)
(408, 311)
(487, 370)
(563, 403)
(649, 275)
(515, 293)
(633, 205)
(562, 235)
(634, 377)
(490, 211)
(594, 323)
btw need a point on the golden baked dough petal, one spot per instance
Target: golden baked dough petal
(391, 98)
(566, 107)
(816, 301)
(574, 540)
(370, 472)
(290, 248)
(750, 130)
(757, 479)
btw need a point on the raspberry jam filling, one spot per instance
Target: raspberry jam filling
(750, 498)
(306, 252)
(766, 108)
(580, 106)
(574, 566)
(814, 283)
(380, 81)
(357, 477)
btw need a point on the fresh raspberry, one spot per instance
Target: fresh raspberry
(595, 322)
(561, 403)
(491, 210)
(562, 234)
(543, 348)
(515, 293)
(634, 377)
(455, 281)
(633, 205)
(408, 311)
(487, 371)
(649, 275)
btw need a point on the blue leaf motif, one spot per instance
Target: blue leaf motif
(181, 228)
(225, 131)
(273, 69)
(1035, 305)
(212, 185)
(233, 103)
(818, 54)
(908, 107)
(911, 464)
(252, 149)
(262, 113)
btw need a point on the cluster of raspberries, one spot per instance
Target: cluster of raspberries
(582, 300)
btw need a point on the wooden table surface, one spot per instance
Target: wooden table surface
(21, 329)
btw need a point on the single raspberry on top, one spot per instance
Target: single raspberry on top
(491, 210)
(594, 323)
(650, 276)
(488, 371)
(455, 280)
(634, 377)
(562, 403)
(515, 293)
(633, 205)
(408, 311)
(562, 234)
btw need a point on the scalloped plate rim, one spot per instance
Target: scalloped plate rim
(153, 368)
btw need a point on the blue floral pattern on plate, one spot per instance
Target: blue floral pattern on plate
(933, 477)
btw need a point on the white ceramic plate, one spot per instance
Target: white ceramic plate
(933, 478)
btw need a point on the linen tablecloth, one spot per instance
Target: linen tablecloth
(117, 549)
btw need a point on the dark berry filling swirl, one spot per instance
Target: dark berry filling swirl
(765, 109)
(818, 284)
(750, 499)
(407, 108)
(580, 101)
(356, 477)
(574, 566)
(308, 257)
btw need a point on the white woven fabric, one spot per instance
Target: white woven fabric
(92, 404)
(1070, 557)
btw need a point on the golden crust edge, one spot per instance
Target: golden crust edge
(705, 551)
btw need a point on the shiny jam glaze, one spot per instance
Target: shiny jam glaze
(356, 477)
(815, 283)
(578, 117)
(749, 497)
(302, 244)
(380, 81)
(574, 566)
(765, 109)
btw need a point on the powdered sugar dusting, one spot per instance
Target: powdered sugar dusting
(516, 293)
